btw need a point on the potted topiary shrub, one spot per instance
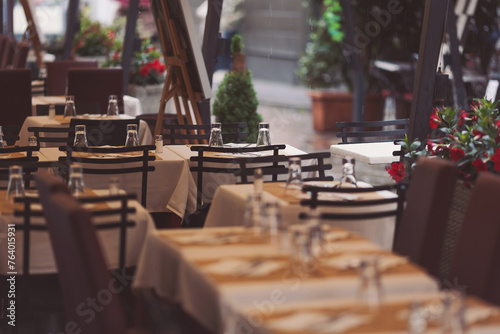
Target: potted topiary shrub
(324, 66)
(236, 100)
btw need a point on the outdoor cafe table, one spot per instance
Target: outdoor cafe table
(228, 209)
(144, 133)
(170, 186)
(370, 153)
(41, 257)
(213, 273)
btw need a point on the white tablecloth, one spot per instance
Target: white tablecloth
(371, 153)
(228, 208)
(42, 260)
(174, 272)
(145, 135)
(131, 105)
(170, 186)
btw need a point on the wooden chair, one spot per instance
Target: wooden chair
(372, 131)
(81, 266)
(420, 236)
(135, 160)
(22, 156)
(92, 88)
(15, 96)
(477, 254)
(376, 207)
(104, 132)
(8, 52)
(10, 134)
(20, 57)
(57, 74)
(178, 134)
(47, 134)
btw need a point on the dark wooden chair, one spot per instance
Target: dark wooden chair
(81, 266)
(11, 134)
(372, 208)
(8, 52)
(174, 134)
(420, 235)
(57, 74)
(47, 134)
(372, 131)
(92, 87)
(15, 96)
(22, 156)
(104, 132)
(20, 57)
(134, 160)
(477, 253)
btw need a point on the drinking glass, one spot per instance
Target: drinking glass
(215, 135)
(69, 109)
(453, 316)
(33, 143)
(80, 136)
(132, 137)
(277, 227)
(52, 111)
(258, 181)
(114, 185)
(15, 187)
(2, 145)
(417, 320)
(370, 291)
(294, 179)
(348, 175)
(159, 144)
(264, 137)
(42, 72)
(113, 105)
(301, 257)
(75, 184)
(252, 218)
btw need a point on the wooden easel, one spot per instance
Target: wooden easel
(177, 83)
(34, 35)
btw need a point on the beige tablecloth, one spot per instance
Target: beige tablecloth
(170, 186)
(41, 256)
(195, 268)
(228, 208)
(370, 153)
(145, 135)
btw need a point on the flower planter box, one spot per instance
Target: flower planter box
(330, 107)
(149, 95)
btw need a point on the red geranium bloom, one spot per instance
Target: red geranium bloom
(477, 133)
(435, 120)
(397, 171)
(480, 165)
(462, 117)
(431, 147)
(456, 153)
(496, 159)
(144, 71)
(497, 124)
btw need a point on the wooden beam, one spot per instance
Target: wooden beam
(128, 43)
(71, 25)
(428, 56)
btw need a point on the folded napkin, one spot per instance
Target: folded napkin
(352, 261)
(249, 268)
(197, 239)
(318, 322)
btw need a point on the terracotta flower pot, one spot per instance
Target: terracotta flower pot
(330, 107)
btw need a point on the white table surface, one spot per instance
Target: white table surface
(170, 269)
(371, 153)
(131, 105)
(145, 135)
(228, 209)
(170, 186)
(42, 260)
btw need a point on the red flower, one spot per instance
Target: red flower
(462, 117)
(477, 134)
(431, 147)
(456, 153)
(435, 120)
(497, 124)
(496, 159)
(397, 171)
(144, 70)
(480, 165)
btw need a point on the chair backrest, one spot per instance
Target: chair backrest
(22, 156)
(125, 160)
(11, 133)
(420, 235)
(8, 52)
(57, 74)
(372, 131)
(20, 56)
(92, 88)
(477, 253)
(104, 132)
(15, 96)
(47, 134)
(81, 265)
(180, 134)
